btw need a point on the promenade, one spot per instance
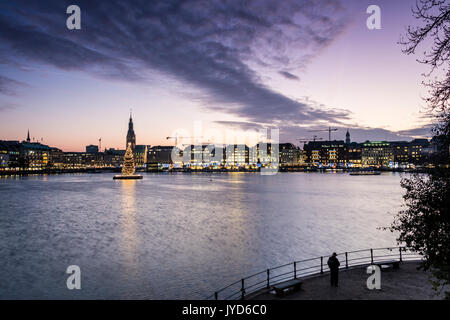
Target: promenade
(404, 284)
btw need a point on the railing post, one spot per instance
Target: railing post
(268, 278)
(321, 265)
(400, 250)
(346, 260)
(216, 295)
(242, 289)
(371, 255)
(295, 270)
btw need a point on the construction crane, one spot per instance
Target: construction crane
(329, 131)
(200, 144)
(308, 140)
(177, 137)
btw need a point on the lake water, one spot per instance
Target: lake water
(179, 236)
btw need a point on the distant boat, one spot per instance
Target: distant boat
(130, 177)
(365, 173)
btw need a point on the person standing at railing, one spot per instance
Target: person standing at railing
(333, 264)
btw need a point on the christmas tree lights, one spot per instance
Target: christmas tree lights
(128, 162)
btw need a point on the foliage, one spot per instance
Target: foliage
(424, 225)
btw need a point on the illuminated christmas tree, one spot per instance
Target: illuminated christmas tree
(128, 162)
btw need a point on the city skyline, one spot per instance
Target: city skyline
(70, 89)
(101, 148)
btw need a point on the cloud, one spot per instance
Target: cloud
(208, 44)
(46, 47)
(242, 125)
(292, 132)
(8, 107)
(289, 75)
(421, 131)
(9, 86)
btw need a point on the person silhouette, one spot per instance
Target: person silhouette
(333, 264)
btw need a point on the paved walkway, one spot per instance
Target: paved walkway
(403, 284)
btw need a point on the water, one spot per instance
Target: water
(179, 236)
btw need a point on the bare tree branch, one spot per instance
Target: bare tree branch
(435, 15)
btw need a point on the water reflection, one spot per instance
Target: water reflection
(128, 241)
(180, 236)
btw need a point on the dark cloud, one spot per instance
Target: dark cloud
(38, 45)
(243, 125)
(422, 131)
(209, 44)
(289, 75)
(291, 132)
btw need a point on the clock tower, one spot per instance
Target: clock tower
(131, 137)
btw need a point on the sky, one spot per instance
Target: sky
(214, 69)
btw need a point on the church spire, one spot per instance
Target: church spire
(28, 136)
(131, 137)
(347, 137)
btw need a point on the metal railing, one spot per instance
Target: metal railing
(309, 268)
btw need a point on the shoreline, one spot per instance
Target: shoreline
(187, 170)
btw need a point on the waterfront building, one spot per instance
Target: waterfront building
(160, 157)
(416, 154)
(203, 156)
(56, 156)
(330, 154)
(36, 155)
(140, 155)
(401, 151)
(32, 155)
(236, 156)
(304, 156)
(289, 155)
(325, 154)
(377, 154)
(354, 155)
(195, 155)
(75, 160)
(160, 154)
(91, 149)
(26, 155)
(214, 156)
(395, 153)
(267, 154)
(253, 156)
(4, 160)
(432, 151)
(113, 157)
(10, 152)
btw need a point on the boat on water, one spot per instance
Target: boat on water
(365, 173)
(130, 177)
